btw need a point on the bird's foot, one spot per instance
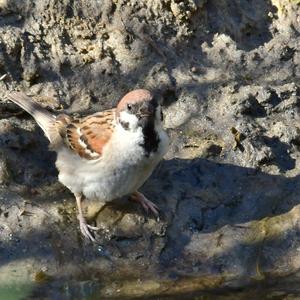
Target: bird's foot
(145, 203)
(86, 229)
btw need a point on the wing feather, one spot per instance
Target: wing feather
(88, 137)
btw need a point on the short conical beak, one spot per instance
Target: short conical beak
(145, 110)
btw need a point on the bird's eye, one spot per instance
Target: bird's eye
(129, 106)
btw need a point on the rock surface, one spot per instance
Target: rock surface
(228, 188)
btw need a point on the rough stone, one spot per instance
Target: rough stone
(228, 189)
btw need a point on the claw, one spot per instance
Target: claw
(87, 229)
(145, 203)
(93, 227)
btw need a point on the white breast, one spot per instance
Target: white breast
(121, 170)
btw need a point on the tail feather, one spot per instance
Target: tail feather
(43, 117)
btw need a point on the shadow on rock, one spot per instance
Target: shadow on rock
(207, 200)
(219, 220)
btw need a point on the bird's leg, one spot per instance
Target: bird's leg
(85, 228)
(146, 204)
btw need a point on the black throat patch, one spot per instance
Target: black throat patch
(151, 138)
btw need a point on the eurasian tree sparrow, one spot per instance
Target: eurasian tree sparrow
(108, 154)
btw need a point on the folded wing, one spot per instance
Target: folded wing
(88, 136)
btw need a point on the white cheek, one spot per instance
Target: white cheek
(131, 119)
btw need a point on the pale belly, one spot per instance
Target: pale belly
(97, 180)
(119, 183)
(115, 174)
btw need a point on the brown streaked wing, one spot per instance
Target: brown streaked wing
(73, 140)
(88, 137)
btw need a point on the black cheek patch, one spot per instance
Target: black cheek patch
(125, 125)
(151, 139)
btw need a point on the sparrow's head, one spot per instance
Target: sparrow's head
(138, 108)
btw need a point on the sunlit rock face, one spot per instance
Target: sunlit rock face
(228, 189)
